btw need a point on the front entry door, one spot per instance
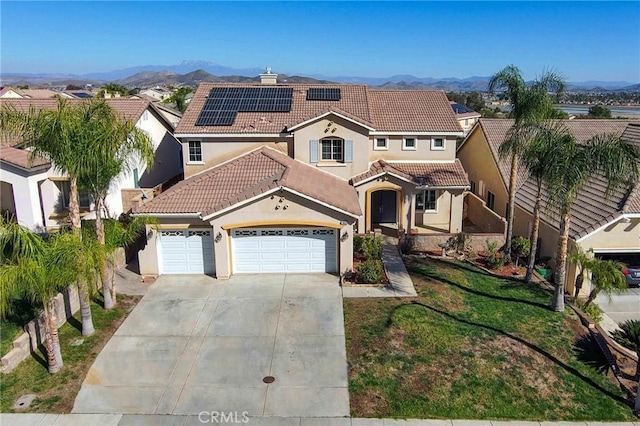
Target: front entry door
(383, 207)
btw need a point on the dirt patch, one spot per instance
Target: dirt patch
(370, 402)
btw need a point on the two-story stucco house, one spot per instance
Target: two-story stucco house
(279, 177)
(36, 193)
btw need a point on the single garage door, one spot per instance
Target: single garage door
(188, 251)
(258, 250)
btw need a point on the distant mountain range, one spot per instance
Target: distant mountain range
(195, 72)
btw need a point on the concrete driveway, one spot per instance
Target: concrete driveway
(621, 307)
(196, 344)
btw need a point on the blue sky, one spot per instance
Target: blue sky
(583, 40)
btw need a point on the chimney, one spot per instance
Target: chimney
(268, 77)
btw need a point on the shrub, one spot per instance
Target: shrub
(520, 247)
(460, 241)
(495, 259)
(358, 241)
(629, 335)
(371, 271)
(372, 247)
(592, 311)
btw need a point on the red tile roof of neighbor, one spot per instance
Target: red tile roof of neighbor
(384, 110)
(20, 158)
(592, 209)
(440, 175)
(248, 176)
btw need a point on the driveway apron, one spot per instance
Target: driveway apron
(195, 344)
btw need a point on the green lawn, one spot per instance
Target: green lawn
(472, 346)
(56, 392)
(21, 312)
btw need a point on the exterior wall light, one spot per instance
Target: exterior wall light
(344, 236)
(218, 237)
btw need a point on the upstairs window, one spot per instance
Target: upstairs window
(409, 143)
(491, 200)
(437, 144)
(332, 150)
(473, 186)
(380, 144)
(195, 152)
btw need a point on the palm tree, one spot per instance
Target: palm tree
(65, 135)
(604, 155)
(530, 105)
(26, 269)
(538, 159)
(118, 147)
(607, 277)
(583, 261)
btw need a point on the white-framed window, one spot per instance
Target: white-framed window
(427, 200)
(332, 150)
(65, 195)
(195, 152)
(380, 144)
(437, 144)
(491, 200)
(409, 144)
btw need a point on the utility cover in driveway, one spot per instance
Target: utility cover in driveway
(292, 250)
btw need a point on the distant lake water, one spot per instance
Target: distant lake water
(630, 112)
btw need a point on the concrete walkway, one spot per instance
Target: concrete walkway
(197, 344)
(206, 418)
(400, 284)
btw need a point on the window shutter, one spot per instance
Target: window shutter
(313, 151)
(348, 151)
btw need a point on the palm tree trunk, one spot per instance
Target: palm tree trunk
(591, 298)
(511, 204)
(561, 261)
(636, 406)
(533, 239)
(104, 268)
(112, 272)
(54, 356)
(85, 310)
(579, 282)
(74, 205)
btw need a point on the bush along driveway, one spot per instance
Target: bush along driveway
(473, 346)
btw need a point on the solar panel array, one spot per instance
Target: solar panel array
(460, 109)
(323, 94)
(81, 95)
(223, 103)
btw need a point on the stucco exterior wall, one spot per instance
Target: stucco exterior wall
(404, 201)
(218, 150)
(620, 236)
(478, 162)
(334, 127)
(482, 217)
(422, 152)
(26, 195)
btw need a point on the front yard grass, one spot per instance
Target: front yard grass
(472, 346)
(55, 393)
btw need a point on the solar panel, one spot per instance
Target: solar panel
(223, 103)
(460, 109)
(323, 94)
(81, 95)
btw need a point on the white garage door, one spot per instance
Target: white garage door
(188, 251)
(257, 250)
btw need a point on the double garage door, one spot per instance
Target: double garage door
(295, 250)
(253, 250)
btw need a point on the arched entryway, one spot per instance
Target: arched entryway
(384, 207)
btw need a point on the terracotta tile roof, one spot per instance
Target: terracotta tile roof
(412, 111)
(422, 174)
(384, 110)
(250, 175)
(20, 158)
(495, 131)
(132, 109)
(591, 209)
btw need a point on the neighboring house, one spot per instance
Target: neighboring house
(279, 177)
(8, 92)
(76, 94)
(158, 93)
(38, 194)
(465, 116)
(606, 225)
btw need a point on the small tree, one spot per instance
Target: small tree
(607, 277)
(520, 247)
(583, 261)
(599, 111)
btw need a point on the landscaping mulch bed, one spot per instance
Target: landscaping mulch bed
(55, 393)
(355, 279)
